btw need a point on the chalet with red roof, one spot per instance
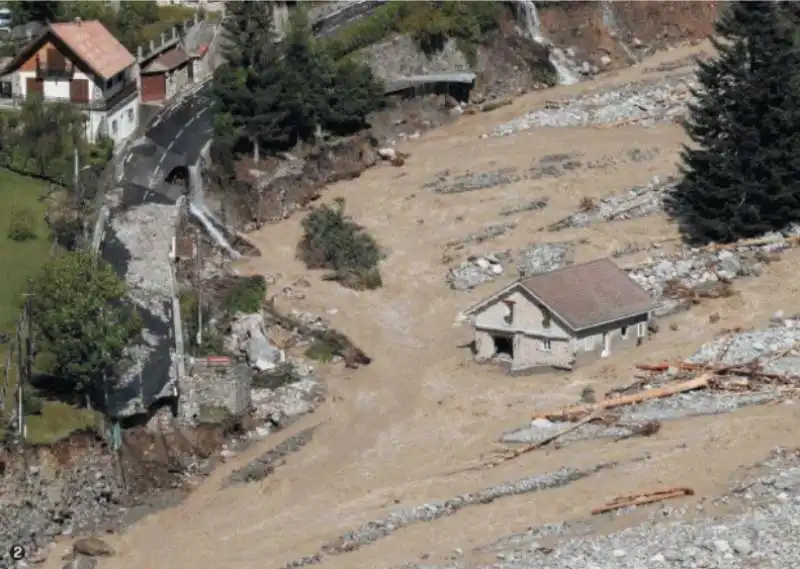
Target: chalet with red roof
(83, 63)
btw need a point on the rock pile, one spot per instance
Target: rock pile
(695, 268)
(37, 509)
(636, 202)
(762, 533)
(247, 336)
(644, 102)
(531, 260)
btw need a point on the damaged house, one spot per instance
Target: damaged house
(562, 318)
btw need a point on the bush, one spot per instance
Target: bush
(247, 296)
(430, 25)
(283, 374)
(332, 240)
(321, 351)
(22, 226)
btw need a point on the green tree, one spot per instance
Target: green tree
(38, 11)
(740, 175)
(80, 321)
(247, 90)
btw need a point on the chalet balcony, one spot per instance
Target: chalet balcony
(129, 91)
(46, 72)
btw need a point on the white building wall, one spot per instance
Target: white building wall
(122, 123)
(54, 89)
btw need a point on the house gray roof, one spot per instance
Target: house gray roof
(584, 295)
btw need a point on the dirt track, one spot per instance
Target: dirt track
(423, 408)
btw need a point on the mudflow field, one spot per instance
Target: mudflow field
(397, 435)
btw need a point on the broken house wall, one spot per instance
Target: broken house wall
(211, 386)
(528, 330)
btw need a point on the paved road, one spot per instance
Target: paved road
(176, 139)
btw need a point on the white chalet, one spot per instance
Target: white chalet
(80, 62)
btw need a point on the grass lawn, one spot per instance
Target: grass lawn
(20, 260)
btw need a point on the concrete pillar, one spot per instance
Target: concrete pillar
(152, 46)
(163, 38)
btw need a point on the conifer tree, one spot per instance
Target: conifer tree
(740, 177)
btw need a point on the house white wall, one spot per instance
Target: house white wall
(98, 123)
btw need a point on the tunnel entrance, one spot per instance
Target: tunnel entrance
(178, 175)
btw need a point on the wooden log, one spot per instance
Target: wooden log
(570, 413)
(642, 499)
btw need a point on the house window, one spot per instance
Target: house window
(545, 319)
(109, 83)
(546, 345)
(130, 116)
(589, 343)
(114, 127)
(623, 332)
(641, 329)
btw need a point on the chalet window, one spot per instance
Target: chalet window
(545, 318)
(509, 316)
(109, 83)
(130, 116)
(623, 332)
(589, 343)
(79, 91)
(546, 345)
(114, 127)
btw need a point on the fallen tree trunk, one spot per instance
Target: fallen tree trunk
(571, 413)
(642, 499)
(746, 369)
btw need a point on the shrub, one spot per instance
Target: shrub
(283, 374)
(332, 240)
(22, 226)
(321, 351)
(247, 296)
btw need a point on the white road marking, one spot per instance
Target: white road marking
(168, 149)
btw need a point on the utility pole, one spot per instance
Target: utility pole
(28, 339)
(198, 288)
(20, 383)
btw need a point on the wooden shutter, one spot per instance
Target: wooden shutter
(79, 91)
(34, 87)
(56, 60)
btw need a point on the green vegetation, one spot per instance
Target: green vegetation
(247, 296)
(41, 139)
(211, 343)
(213, 415)
(321, 351)
(283, 374)
(81, 323)
(740, 176)
(20, 260)
(133, 24)
(430, 24)
(332, 240)
(56, 421)
(270, 96)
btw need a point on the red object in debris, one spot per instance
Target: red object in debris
(202, 49)
(663, 366)
(218, 360)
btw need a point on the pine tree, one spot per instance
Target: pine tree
(247, 90)
(740, 177)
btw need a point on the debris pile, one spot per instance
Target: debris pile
(642, 102)
(544, 257)
(637, 202)
(738, 369)
(531, 260)
(684, 276)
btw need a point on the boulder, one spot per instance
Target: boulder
(92, 547)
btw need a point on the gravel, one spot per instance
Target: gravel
(644, 102)
(265, 464)
(531, 260)
(637, 202)
(377, 529)
(762, 533)
(35, 509)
